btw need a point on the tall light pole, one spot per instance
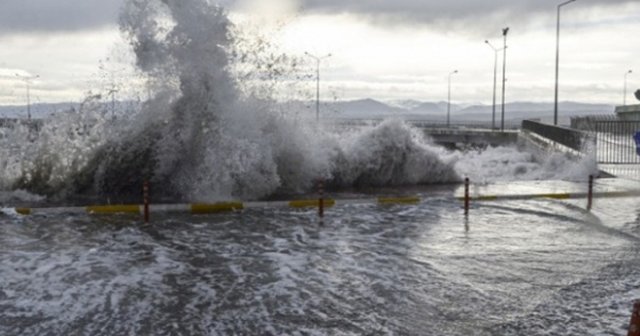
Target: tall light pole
(113, 92)
(27, 80)
(624, 95)
(505, 31)
(495, 81)
(555, 101)
(318, 60)
(449, 97)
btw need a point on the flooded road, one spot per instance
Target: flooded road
(536, 267)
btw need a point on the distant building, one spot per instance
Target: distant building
(628, 112)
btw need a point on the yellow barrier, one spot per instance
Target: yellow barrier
(113, 209)
(23, 211)
(216, 207)
(481, 198)
(203, 208)
(556, 196)
(398, 200)
(328, 202)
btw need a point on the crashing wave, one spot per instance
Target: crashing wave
(202, 137)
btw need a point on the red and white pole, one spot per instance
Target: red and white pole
(634, 325)
(590, 193)
(321, 199)
(145, 193)
(466, 196)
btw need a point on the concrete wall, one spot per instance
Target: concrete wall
(460, 138)
(628, 112)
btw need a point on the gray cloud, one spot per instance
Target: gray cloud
(34, 16)
(474, 18)
(29, 16)
(427, 11)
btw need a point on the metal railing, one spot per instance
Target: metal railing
(615, 142)
(614, 138)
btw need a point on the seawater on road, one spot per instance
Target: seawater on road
(535, 267)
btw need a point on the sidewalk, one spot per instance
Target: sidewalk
(603, 187)
(629, 171)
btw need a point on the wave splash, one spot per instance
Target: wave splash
(201, 137)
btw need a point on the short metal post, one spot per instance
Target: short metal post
(466, 196)
(321, 199)
(634, 325)
(145, 192)
(590, 194)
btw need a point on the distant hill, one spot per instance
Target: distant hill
(363, 109)
(375, 109)
(526, 110)
(436, 111)
(37, 110)
(43, 110)
(407, 104)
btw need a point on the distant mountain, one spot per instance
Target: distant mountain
(43, 110)
(527, 110)
(436, 111)
(37, 110)
(423, 108)
(539, 108)
(365, 108)
(375, 109)
(407, 104)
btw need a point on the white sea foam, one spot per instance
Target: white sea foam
(511, 164)
(19, 196)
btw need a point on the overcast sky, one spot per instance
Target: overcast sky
(401, 49)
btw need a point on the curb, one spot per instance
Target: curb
(210, 208)
(222, 207)
(558, 196)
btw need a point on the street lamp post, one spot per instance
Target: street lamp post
(112, 92)
(555, 102)
(27, 80)
(505, 31)
(495, 81)
(318, 60)
(449, 97)
(624, 95)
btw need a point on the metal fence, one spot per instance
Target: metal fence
(615, 142)
(614, 138)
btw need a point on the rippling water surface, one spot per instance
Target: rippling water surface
(511, 268)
